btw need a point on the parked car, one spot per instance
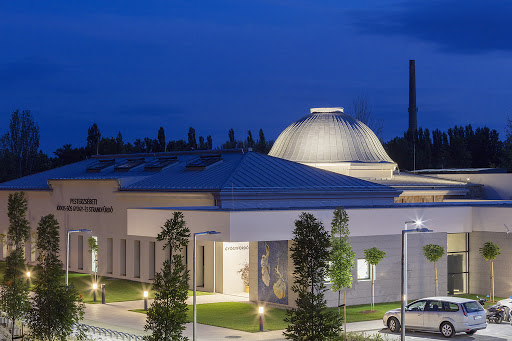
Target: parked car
(448, 315)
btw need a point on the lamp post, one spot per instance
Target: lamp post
(94, 288)
(146, 294)
(28, 277)
(67, 251)
(403, 290)
(260, 311)
(194, 324)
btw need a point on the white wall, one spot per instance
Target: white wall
(235, 256)
(496, 186)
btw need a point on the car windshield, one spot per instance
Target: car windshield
(472, 307)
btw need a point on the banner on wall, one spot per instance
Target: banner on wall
(273, 271)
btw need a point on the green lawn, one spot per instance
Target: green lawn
(116, 290)
(244, 316)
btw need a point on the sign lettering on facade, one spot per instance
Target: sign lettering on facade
(81, 205)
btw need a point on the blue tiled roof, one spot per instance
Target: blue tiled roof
(237, 171)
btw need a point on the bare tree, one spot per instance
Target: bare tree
(361, 110)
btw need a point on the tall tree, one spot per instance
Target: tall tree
(373, 256)
(489, 251)
(310, 255)
(56, 308)
(192, 143)
(93, 140)
(14, 300)
(209, 142)
(342, 259)
(434, 253)
(161, 139)
(250, 140)
(168, 313)
(22, 141)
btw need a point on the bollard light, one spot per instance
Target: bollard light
(260, 311)
(146, 294)
(94, 287)
(103, 294)
(28, 274)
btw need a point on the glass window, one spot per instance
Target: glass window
(448, 306)
(472, 307)
(457, 242)
(416, 306)
(434, 306)
(363, 270)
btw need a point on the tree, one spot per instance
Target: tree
(22, 141)
(250, 140)
(168, 313)
(56, 308)
(310, 255)
(489, 252)
(14, 300)
(93, 250)
(361, 111)
(342, 259)
(161, 139)
(93, 140)
(192, 143)
(209, 142)
(373, 257)
(434, 253)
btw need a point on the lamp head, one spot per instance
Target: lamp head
(260, 310)
(418, 222)
(146, 294)
(94, 286)
(28, 273)
(212, 232)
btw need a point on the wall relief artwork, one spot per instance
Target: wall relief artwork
(273, 271)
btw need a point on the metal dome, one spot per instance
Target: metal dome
(328, 135)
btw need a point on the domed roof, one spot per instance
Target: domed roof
(328, 135)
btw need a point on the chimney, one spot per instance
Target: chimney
(413, 109)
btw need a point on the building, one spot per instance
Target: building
(254, 199)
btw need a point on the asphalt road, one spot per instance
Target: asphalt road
(493, 332)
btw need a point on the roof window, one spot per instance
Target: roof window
(99, 165)
(161, 162)
(203, 162)
(128, 164)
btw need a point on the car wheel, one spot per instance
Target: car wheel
(447, 329)
(471, 332)
(393, 325)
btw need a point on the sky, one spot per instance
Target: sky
(133, 66)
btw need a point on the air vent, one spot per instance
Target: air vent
(161, 162)
(204, 161)
(128, 164)
(99, 165)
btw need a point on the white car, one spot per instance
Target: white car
(448, 315)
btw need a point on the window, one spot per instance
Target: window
(80, 252)
(203, 162)
(363, 270)
(161, 162)
(452, 307)
(136, 259)
(97, 166)
(125, 166)
(122, 257)
(458, 263)
(416, 306)
(110, 261)
(151, 260)
(434, 306)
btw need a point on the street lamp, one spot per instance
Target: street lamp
(94, 288)
(260, 311)
(403, 290)
(194, 324)
(67, 251)
(146, 294)
(28, 277)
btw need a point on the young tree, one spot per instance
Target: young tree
(161, 139)
(93, 250)
(342, 259)
(93, 140)
(14, 300)
(434, 253)
(373, 256)
(168, 313)
(310, 255)
(490, 251)
(56, 307)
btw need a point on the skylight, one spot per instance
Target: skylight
(204, 161)
(161, 162)
(128, 164)
(99, 165)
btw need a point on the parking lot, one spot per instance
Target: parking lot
(493, 332)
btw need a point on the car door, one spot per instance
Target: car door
(414, 314)
(433, 314)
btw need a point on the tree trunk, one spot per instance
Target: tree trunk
(345, 313)
(435, 270)
(492, 279)
(372, 307)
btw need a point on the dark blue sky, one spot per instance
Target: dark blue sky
(133, 66)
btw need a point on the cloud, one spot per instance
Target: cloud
(455, 26)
